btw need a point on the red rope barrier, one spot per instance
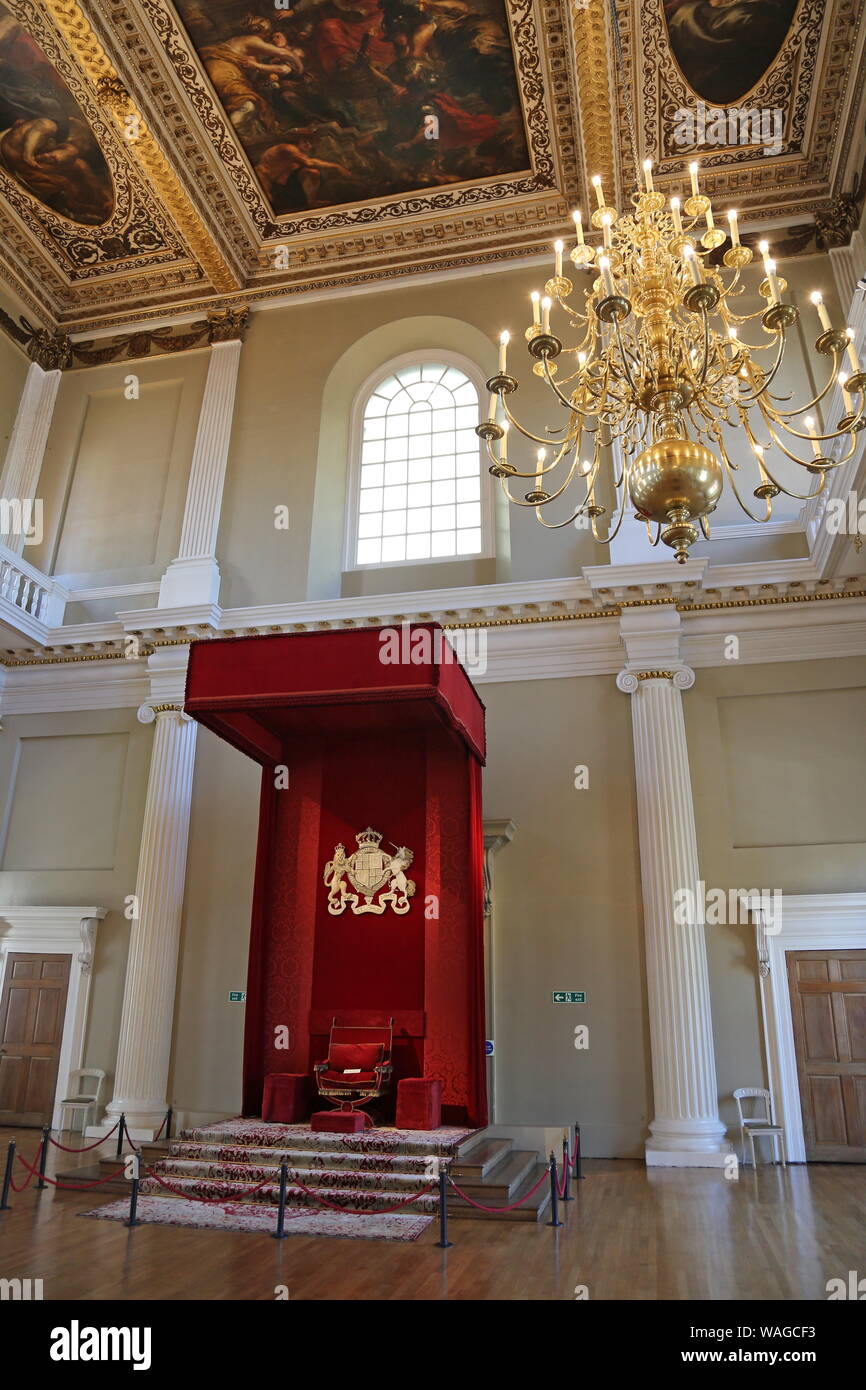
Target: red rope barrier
(87, 1147)
(380, 1211)
(512, 1207)
(208, 1201)
(68, 1187)
(30, 1176)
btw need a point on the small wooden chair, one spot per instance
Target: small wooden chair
(761, 1126)
(82, 1103)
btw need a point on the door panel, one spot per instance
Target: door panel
(828, 1011)
(32, 1011)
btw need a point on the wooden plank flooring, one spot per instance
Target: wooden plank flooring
(632, 1234)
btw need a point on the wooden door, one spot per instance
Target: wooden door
(828, 1008)
(32, 1010)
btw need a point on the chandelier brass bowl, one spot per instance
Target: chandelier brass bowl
(667, 363)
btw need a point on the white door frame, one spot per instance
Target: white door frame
(810, 922)
(68, 931)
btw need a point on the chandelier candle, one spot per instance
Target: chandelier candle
(818, 301)
(669, 354)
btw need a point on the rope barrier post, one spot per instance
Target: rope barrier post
(120, 1128)
(280, 1232)
(43, 1156)
(7, 1176)
(566, 1170)
(554, 1195)
(443, 1243)
(168, 1120)
(133, 1196)
(577, 1174)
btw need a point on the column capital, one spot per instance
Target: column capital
(227, 325)
(147, 713)
(629, 681)
(50, 350)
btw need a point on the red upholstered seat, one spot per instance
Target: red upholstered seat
(352, 1079)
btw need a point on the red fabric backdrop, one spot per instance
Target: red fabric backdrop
(356, 758)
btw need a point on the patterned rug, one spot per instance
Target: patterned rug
(233, 1216)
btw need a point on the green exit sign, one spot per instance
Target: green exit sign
(569, 996)
(237, 996)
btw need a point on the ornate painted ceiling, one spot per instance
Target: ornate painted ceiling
(160, 159)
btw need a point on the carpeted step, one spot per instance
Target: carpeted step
(372, 1180)
(258, 1134)
(299, 1158)
(347, 1199)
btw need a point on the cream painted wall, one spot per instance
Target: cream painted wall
(60, 775)
(817, 780)
(114, 478)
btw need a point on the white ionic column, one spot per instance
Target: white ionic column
(194, 577)
(686, 1129)
(848, 264)
(141, 1075)
(19, 480)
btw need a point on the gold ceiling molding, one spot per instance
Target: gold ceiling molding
(73, 24)
(597, 109)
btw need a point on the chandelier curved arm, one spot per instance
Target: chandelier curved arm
(769, 377)
(626, 368)
(729, 469)
(528, 434)
(816, 400)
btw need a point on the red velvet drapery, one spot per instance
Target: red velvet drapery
(397, 749)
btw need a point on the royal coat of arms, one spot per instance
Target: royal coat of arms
(369, 870)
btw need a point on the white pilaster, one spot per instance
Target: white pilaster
(497, 834)
(141, 1075)
(19, 480)
(686, 1129)
(848, 264)
(194, 576)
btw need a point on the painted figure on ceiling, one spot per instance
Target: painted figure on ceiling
(389, 95)
(724, 47)
(46, 144)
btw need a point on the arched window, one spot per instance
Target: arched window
(417, 487)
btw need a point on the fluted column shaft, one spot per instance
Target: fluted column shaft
(683, 1062)
(207, 474)
(23, 463)
(141, 1076)
(193, 577)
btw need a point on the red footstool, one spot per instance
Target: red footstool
(419, 1103)
(286, 1098)
(338, 1121)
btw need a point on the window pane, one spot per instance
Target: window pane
(418, 519)
(394, 523)
(442, 543)
(443, 491)
(467, 465)
(409, 374)
(466, 394)
(419, 470)
(374, 429)
(468, 489)
(369, 552)
(373, 453)
(394, 548)
(396, 425)
(418, 547)
(370, 525)
(419, 447)
(443, 444)
(443, 467)
(372, 475)
(376, 405)
(395, 449)
(468, 542)
(394, 497)
(453, 378)
(432, 371)
(467, 415)
(395, 472)
(419, 422)
(389, 388)
(371, 499)
(443, 517)
(419, 495)
(466, 440)
(469, 514)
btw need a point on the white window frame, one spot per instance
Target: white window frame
(353, 491)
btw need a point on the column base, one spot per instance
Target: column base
(657, 1156)
(143, 1121)
(188, 582)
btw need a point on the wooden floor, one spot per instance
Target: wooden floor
(632, 1234)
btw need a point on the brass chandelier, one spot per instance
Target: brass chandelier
(662, 365)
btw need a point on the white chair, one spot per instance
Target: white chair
(83, 1103)
(759, 1126)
